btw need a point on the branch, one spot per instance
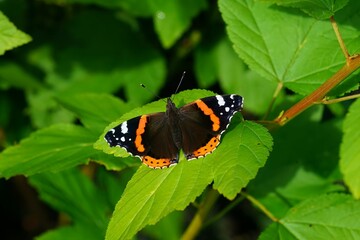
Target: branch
(224, 211)
(260, 206)
(199, 218)
(339, 38)
(352, 64)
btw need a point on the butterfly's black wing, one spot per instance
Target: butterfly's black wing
(203, 122)
(148, 137)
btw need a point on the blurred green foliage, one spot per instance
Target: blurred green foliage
(71, 69)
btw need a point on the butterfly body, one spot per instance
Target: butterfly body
(194, 128)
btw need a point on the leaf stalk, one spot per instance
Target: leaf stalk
(260, 206)
(197, 222)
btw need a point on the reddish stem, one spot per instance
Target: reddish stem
(351, 65)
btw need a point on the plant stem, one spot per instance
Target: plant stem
(224, 211)
(278, 89)
(336, 100)
(260, 206)
(198, 220)
(339, 38)
(352, 64)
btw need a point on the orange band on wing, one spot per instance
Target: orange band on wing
(207, 111)
(140, 130)
(208, 148)
(157, 163)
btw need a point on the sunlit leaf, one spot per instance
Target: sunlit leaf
(10, 36)
(265, 37)
(50, 149)
(174, 17)
(350, 151)
(321, 9)
(333, 216)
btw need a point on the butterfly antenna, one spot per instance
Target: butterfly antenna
(153, 93)
(178, 86)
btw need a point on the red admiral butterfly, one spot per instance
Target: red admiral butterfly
(195, 128)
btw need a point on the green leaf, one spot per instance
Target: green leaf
(73, 193)
(347, 86)
(152, 194)
(168, 228)
(103, 3)
(12, 75)
(251, 86)
(75, 231)
(306, 184)
(350, 152)
(94, 110)
(118, 62)
(244, 81)
(114, 163)
(10, 36)
(111, 186)
(262, 43)
(303, 164)
(174, 17)
(145, 9)
(206, 64)
(45, 111)
(332, 216)
(320, 9)
(107, 63)
(42, 57)
(217, 60)
(234, 165)
(50, 149)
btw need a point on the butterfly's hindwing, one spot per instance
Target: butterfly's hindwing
(196, 129)
(148, 137)
(158, 138)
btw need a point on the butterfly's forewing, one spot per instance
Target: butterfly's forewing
(224, 107)
(124, 135)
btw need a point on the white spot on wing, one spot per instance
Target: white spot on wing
(221, 100)
(122, 139)
(124, 128)
(227, 109)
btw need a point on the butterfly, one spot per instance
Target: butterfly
(194, 128)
